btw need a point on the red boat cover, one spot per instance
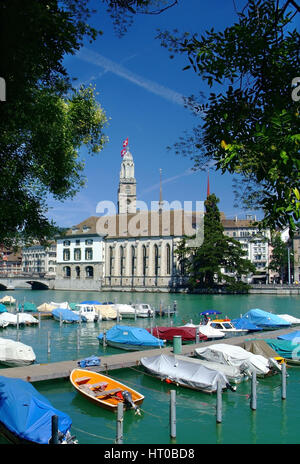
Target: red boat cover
(167, 333)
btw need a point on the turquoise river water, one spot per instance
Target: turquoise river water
(275, 421)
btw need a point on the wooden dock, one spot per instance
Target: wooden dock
(60, 370)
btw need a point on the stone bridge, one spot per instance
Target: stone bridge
(35, 283)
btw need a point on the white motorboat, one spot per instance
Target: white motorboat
(225, 326)
(18, 318)
(143, 310)
(208, 331)
(291, 319)
(3, 324)
(233, 355)
(14, 353)
(125, 310)
(87, 312)
(63, 305)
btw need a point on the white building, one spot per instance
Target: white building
(38, 259)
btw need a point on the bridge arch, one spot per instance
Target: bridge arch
(37, 285)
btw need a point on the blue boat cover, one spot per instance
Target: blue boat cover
(27, 413)
(27, 306)
(209, 312)
(265, 319)
(294, 336)
(243, 323)
(90, 361)
(3, 308)
(285, 348)
(131, 336)
(66, 314)
(91, 302)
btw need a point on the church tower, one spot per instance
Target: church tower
(127, 184)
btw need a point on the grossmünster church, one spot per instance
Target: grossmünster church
(131, 250)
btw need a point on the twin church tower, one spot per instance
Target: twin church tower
(127, 184)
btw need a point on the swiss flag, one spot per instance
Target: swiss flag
(125, 143)
(123, 152)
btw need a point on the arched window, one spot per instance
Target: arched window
(89, 272)
(67, 271)
(168, 250)
(156, 260)
(122, 260)
(133, 259)
(77, 270)
(111, 260)
(144, 260)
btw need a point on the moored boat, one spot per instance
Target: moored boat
(105, 391)
(7, 300)
(266, 320)
(13, 353)
(143, 310)
(208, 331)
(87, 312)
(188, 334)
(107, 312)
(26, 415)
(185, 373)
(288, 349)
(226, 326)
(130, 338)
(65, 315)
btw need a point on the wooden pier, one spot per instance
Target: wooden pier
(60, 370)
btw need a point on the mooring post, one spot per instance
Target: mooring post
(197, 335)
(60, 320)
(175, 305)
(173, 414)
(118, 316)
(104, 338)
(219, 402)
(177, 344)
(54, 430)
(119, 437)
(39, 320)
(49, 338)
(253, 391)
(78, 338)
(283, 381)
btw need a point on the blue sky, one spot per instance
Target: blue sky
(141, 88)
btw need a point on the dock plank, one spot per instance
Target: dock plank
(62, 369)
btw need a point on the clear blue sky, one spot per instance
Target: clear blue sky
(140, 89)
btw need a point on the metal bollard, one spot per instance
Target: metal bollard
(173, 414)
(283, 381)
(49, 339)
(54, 430)
(197, 335)
(177, 344)
(78, 339)
(219, 403)
(104, 338)
(39, 320)
(253, 391)
(119, 437)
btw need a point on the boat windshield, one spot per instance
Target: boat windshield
(226, 325)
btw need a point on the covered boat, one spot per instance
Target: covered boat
(143, 310)
(260, 347)
(187, 334)
(7, 299)
(105, 391)
(87, 312)
(226, 326)
(107, 312)
(14, 353)
(3, 308)
(288, 349)
(209, 332)
(235, 356)
(64, 305)
(293, 336)
(265, 319)
(244, 323)
(125, 310)
(28, 306)
(46, 308)
(130, 338)
(65, 315)
(291, 319)
(26, 415)
(185, 373)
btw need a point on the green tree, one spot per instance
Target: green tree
(220, 260)
(279, 257)
(250, 123)
(45, 121)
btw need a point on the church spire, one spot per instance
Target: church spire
(127, 184)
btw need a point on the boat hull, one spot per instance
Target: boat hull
(111, 403)
(128, 347)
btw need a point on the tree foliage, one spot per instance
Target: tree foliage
(249, 123)
(220, 260)
(279, 257)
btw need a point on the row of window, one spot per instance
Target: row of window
(145, 260)
(89, 271)
(88, 241)
(88, 254)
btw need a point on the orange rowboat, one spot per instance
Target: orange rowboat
(104, 391)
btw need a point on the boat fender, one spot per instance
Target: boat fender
(231, 387)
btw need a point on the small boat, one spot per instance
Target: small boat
(208, 331)
(14, 353)
(87, 312)
(7, 299)
(65, 315)
(18, 318)
(288, 349)
(186, 373)
(27, 319)
(234, 355)
(64, 305)
(130, 338)
(107, 312)
(291, 319)
(46, 308)
(3, 308)
(105, 391)
(188, 334)
(293, 336)
(125, 310)
(26, 415)
(266, 320)
(143, 310)
(244, 323)
(3, 324)
(28, 306)
(226, 326)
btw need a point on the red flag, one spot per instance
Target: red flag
(125, 143)
(123, 152)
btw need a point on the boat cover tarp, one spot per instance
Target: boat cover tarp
(259, 347)
(184, 373)
(91, 302)
(186, 333)
(285, 348)
(3, 308)
(294, 336)
(27, 413)
(64, 305)
(15, 353)
(244, 323)
(66, 315)
(107, 312)
(28, 306)
(131, 336)
(287, 317)
(265, 319)
(234, 356)
(90, 361)
(207, 330)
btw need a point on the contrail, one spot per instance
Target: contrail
(109, 65)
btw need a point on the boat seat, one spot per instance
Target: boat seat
(82, 380)
(109, 392)
(98, 386)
